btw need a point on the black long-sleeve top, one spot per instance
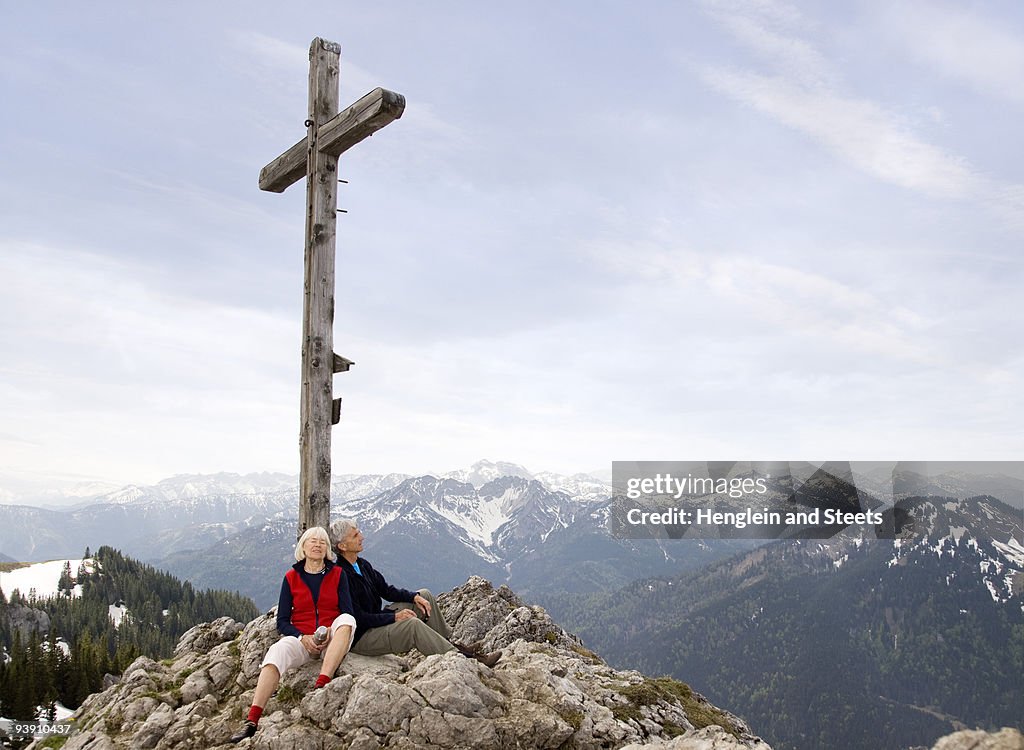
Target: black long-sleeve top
(367, 590)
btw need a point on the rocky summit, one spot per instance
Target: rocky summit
(547, 691)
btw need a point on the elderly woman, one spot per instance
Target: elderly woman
(314, 593)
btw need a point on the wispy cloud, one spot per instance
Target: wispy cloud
(984, 53)
(824, 309)
(858, 130)
(831, 313)
(804, 92)
(766, 28)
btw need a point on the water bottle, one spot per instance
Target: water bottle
(320, 636)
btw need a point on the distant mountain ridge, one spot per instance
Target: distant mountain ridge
(497, 527)
(821, 643)
(437, 531)
(195, 510)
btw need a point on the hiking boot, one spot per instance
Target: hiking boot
(488, 660)
(248, 730)
(469, 653)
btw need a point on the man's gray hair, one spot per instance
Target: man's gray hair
(340, 529)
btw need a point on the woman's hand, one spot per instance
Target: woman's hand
(311, 645)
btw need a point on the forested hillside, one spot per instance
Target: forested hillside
(83, 642)
(857, 646)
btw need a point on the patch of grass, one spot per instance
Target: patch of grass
(182, 676)
(551, 636)
(626, 711)
(235, 648)
(587, 654)
(56, 741)
(7, 567)
(170, 697)
(289, 695)
(167, 662)
(112, 726)
(572, 718)
(699, 713)
(672, 730)
(540, 647)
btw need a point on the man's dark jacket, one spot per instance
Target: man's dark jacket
(367, 590)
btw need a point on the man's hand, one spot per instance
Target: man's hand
(405, 614)
(423, 605)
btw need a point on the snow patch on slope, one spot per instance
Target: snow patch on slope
(42, 577)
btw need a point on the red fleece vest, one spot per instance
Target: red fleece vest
(307, 614)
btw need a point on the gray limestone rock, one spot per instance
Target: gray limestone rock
(451, 683)
(89, 741)
(203, 637)
(325, 707)
(708, 738)
(977, 739)
(153, 728)
(547, 691)
(27, 620)
(380, 705)
(433, 728)
(196, 685)
(475, 607)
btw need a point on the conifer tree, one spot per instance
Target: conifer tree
(66, 583)
(40, 673)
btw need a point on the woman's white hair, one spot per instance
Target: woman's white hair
(313, 532)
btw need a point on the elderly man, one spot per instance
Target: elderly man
(413, 620)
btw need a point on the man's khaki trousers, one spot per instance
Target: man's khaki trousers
(429, 637)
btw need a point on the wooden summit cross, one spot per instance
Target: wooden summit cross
(328, 134)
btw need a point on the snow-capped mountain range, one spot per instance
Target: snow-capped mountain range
(982, 531)
(489, 517)
(493, 518)
(979, 537)
(189, 511)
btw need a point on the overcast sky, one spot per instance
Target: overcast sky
(601, 231)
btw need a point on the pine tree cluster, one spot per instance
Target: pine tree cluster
(68, 663)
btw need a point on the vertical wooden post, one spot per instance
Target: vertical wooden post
(318, 308)
(329, 133)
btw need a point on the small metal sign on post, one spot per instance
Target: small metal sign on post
(329, 133)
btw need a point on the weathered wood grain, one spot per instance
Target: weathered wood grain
(328, 134)
(336, 135)
(318, 308)
(341, 364)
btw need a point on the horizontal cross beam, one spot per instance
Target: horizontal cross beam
(337, 135)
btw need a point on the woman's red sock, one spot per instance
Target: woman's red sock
(255, 712)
